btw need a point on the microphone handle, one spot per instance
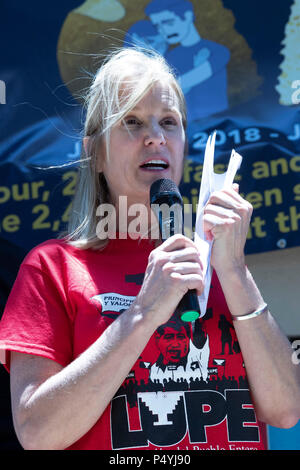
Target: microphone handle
(188, 308)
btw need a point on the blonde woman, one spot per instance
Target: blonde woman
(96, 357)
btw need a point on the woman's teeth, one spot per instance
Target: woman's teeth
(155, 165)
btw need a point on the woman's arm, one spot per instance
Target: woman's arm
(54, 406)
(273, 377)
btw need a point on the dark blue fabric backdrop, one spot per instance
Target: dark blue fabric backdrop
(41, 121)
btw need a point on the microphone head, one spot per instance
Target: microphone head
(165, 191)
(167, 204)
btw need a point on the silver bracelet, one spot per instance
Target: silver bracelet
(250, 315)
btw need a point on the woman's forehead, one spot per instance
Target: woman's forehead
(161, 95)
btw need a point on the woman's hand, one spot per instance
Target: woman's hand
(173, 268)
(226, 221)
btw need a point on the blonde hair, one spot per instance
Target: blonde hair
(107, 102)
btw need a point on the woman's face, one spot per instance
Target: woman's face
(148, 144)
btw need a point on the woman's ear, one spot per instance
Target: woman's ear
(85, 142)
(99, 166)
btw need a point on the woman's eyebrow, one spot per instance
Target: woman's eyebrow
(171, 109)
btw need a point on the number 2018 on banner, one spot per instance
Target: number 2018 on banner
(251, 134)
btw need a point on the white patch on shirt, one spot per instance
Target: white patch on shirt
(113, 302)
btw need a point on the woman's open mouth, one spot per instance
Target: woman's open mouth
(155, 165)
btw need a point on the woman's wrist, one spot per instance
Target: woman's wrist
(142, 319)
(251, 315)
(241, 292)
(236, 267)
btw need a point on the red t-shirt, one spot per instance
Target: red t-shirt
(187, 390)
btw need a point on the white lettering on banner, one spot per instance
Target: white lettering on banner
(296, 353)
(296, 94)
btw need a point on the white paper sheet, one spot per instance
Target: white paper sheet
(211, 182)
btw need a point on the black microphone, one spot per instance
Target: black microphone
(167, 204)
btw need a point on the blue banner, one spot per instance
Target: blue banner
(238, 64)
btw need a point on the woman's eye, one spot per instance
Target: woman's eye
(169, 122)
(131, 121)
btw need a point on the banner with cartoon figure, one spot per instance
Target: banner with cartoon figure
(237, 62)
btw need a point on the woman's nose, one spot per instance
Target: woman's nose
(154, 135)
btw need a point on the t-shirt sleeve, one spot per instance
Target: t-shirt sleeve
(36, 319)
(220, 55)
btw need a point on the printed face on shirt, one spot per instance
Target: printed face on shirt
(148, 144)
(173, 344)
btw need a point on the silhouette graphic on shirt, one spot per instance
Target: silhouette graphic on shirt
(226, 338)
